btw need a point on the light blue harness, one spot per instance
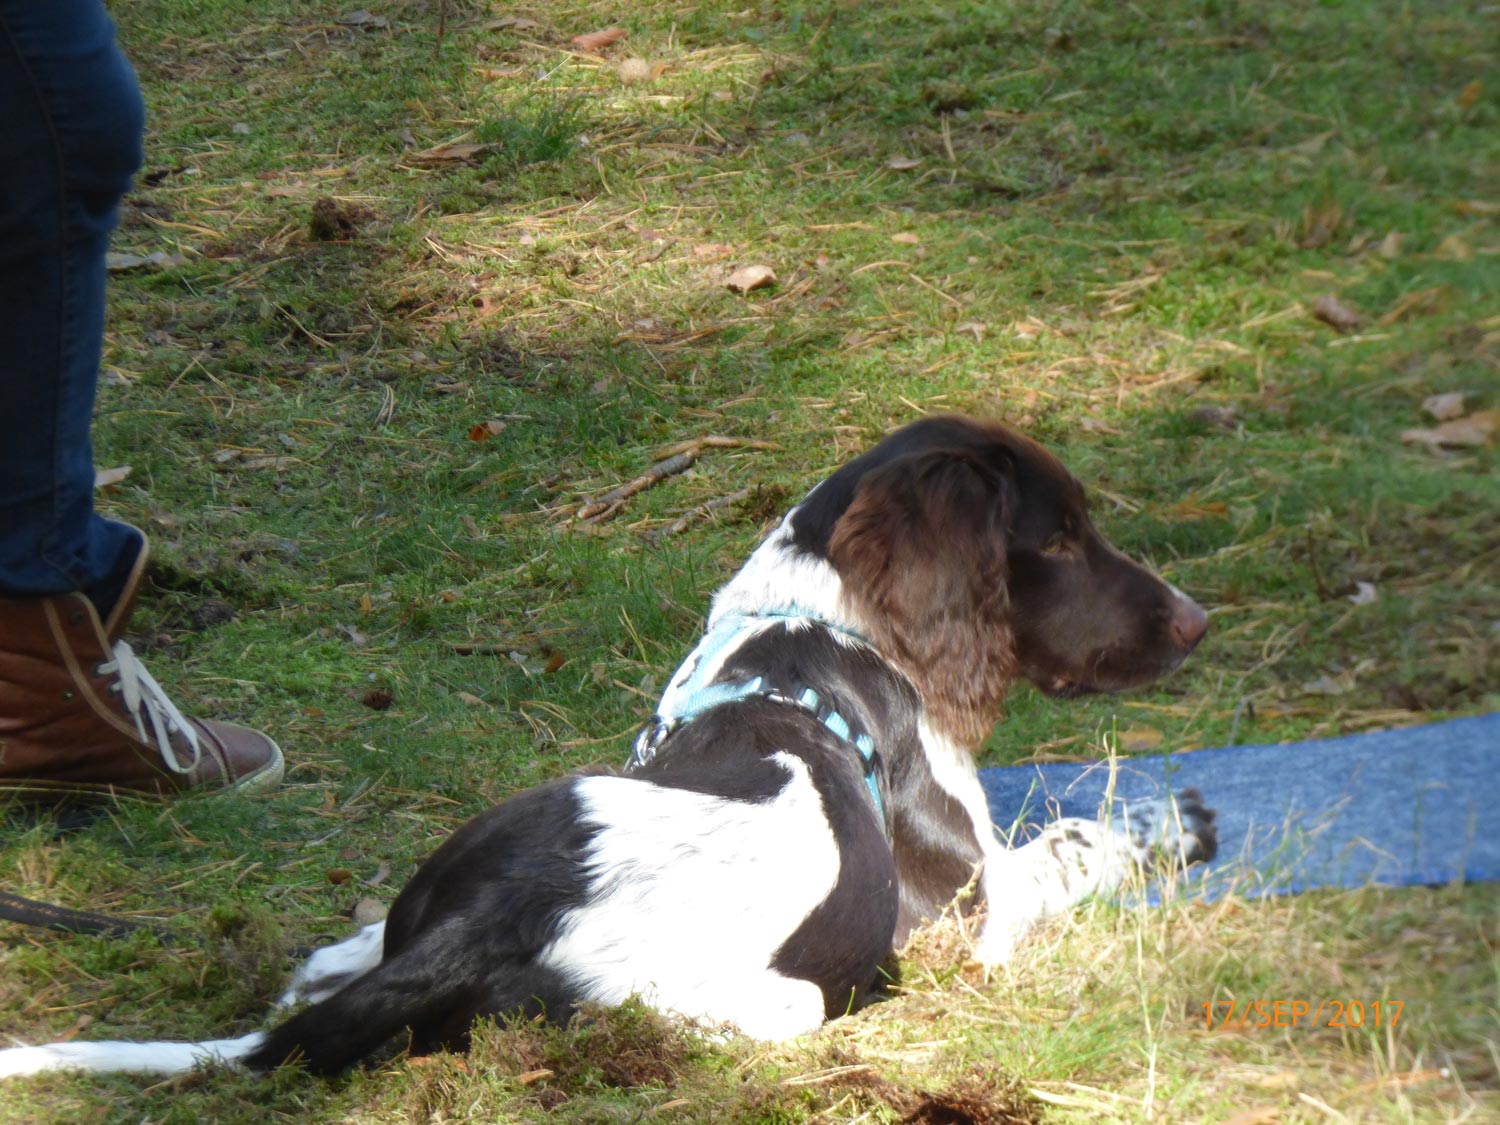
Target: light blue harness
(698, 696)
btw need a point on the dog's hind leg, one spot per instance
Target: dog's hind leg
(333, 966)
(1074, 859)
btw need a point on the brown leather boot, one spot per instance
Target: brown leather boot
(80, 714)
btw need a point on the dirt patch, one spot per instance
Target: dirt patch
(335, 221)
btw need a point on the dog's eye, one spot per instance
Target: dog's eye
(1059, 546)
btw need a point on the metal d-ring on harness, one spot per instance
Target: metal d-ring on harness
(694, 697)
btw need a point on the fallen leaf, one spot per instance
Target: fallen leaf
(338, 876)
(1476, 429)
(450, 154)
(709, 250)
(527, 1077)
(483, 431)
(1454, 249)
(103, 478)
(903, 163)
(1329, 685)
(554, 662)
(1411, 1078)
(1313, 145)
(595, 40)
(1420, 301)
(378, 699)
(1390, 245)
(1192, 508)
(364, 19)
(84, 1021)
(1470, 94)
(1320, 222)
(636, 72)
(457, 1062)
(254, 464)
(1364, 593)
(906, 238)
(1030, 328)
(1331, 311)
(471, 699)
(1096, 426)
(382, 873)
(1277, 1080)
(160, 259)
(1442, 407)
(1140, 738)
(1260, 1115)
(748, 278)
(1224, 417)
(975, 328)
(1477, 207)
(514, 23)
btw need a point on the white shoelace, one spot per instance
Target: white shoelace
(146, 701)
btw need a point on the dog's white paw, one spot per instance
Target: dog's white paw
(998, 940)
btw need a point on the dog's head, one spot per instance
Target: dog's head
(967, 552)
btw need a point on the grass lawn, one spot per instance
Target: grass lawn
(435, 277)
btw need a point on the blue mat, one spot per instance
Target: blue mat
(1419, 806)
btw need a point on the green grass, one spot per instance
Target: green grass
(1122, 215)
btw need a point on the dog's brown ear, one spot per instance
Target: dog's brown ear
(921, 554)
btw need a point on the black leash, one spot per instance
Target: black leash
(29, 912)
(47, 916)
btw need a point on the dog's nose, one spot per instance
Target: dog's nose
(1189, 622)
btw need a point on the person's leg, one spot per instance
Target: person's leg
(77, 709)
(71, 131)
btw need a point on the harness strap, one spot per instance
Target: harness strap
(695, 694)
(651, 739)
(809, 701)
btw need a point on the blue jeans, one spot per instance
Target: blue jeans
(71, 122)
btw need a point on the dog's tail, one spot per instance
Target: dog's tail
(142, 1058)
(418, 988)
(413, 989)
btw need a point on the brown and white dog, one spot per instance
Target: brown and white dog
(806, 796)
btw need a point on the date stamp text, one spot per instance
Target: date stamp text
(1238, 1015)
